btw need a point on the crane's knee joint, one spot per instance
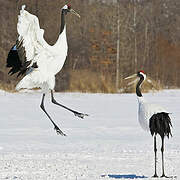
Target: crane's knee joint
(53, 101)
(41, 106)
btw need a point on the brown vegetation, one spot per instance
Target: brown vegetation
(149, 40)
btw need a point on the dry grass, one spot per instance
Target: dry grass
(9, 87)
(88, 81)
(96, 82)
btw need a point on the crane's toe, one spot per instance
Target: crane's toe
(58, 131)
(164, 176)
(80, 115)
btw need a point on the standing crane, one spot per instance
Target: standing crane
(152, 118)
(33, 57)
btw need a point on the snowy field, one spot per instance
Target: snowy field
(108, 142)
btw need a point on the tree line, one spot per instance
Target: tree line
(148, 33)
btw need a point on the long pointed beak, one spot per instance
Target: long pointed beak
(75, 13)
(132, 76)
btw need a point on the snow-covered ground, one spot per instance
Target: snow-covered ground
(108, 142)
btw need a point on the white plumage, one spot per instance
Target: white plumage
(38, 61)
(146, 111)
(49, 59)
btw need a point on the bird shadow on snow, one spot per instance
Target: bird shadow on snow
(123, 176)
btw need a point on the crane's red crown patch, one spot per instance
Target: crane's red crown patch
(69, 6)
(142, 72)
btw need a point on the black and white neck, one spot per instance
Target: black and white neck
(62, 21)
(142, 77)
(64, 11)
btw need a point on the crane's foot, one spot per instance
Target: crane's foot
(80, 115)
(171, 177)
(58, 131)
(155, 176)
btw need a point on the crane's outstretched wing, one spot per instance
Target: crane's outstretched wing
(29, 44)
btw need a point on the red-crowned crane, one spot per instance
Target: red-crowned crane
(38, 61)
(152, 118)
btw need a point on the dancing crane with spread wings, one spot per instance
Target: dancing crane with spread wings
(38, 61)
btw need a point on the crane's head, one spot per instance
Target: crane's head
(141, 74)
(67, 8)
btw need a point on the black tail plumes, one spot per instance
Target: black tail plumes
(13, 61)
(160, 123)
(17, 60)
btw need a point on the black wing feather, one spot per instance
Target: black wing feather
(17, 60)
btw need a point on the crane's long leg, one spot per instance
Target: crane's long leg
(155, 152)
(162, 151)
(55, 126)
(80, 115)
